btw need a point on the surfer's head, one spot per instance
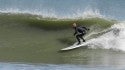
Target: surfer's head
(74, 25)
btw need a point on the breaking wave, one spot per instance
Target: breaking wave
(112, 38)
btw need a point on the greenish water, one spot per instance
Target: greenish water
(21, 42)
(32, 42)
(29, 44)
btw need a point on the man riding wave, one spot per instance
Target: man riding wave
(80, 31)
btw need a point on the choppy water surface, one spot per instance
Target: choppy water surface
(33, 32)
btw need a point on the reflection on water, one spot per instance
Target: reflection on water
(94, 57)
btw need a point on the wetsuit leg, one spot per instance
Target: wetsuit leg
(81, 36)
(78, 38)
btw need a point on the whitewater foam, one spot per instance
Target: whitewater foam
(114, 38)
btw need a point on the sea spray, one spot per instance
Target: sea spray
(50, 13)
(114, 38)
(88, 13)
(44, 13)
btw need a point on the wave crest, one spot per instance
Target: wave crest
(76, 14)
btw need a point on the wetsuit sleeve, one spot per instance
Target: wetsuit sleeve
(75, 32)
(85, 28)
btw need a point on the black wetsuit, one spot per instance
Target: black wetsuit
(79, 33)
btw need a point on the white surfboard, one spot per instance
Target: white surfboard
(74, 46)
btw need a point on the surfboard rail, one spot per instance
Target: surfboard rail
(74, 46)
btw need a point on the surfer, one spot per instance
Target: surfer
(80, 31)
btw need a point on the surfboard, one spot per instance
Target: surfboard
(74, 46)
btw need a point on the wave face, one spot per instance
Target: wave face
(65, 9)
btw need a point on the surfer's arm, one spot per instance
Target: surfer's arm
(85, 28)
(75, 32)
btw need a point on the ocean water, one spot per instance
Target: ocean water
(33, 31)
(14, 66)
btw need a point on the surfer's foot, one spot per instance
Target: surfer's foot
(84, 41)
